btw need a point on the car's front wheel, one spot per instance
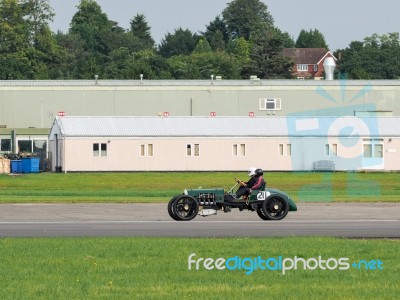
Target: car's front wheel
(275, 208)
(183, 208)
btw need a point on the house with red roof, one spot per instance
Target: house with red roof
(308, 62)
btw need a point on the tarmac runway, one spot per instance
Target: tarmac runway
(351, 220)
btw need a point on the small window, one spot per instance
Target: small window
(96, 150)
(367, 150)
(103, 149)
(378, 150)
(239, 149)
(331, 149)
(285, 149)
(281, 149)
(5, 145)
(196, 150)
(146, 150)
(302, 67)
(193, 150)
(270, 104)
(315, 68)
(289, 150)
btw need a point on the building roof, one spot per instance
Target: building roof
(89, 126)
(136, 84)
(307, 56)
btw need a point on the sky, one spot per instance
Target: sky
(340, 21)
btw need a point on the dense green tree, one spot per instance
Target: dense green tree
(266, 59)
(375, 58)
(216, 34)
(203, 65)
(181, 42)
(89, 22)
(13, 27)
(27, 46)
(311, 39)
(141, 30)
(39, 14)
(202, 46)
(243, 17)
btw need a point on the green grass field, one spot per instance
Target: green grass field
(157, 268)
(161, 186)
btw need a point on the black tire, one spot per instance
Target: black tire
(261, 214)
(170, 209)
(275, 208)
(184, 208)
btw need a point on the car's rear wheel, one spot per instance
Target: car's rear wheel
(260, 213)
(184, 208)
(275, 208)
(170, 208)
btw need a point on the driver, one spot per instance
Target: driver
(255, 182)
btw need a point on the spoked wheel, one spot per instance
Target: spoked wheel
(184, 208)
(260, 213)
(274, 208)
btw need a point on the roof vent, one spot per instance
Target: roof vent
(329, 66)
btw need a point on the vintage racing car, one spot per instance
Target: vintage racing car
(270, 204)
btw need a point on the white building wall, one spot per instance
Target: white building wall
(216, 154)
(170, 154)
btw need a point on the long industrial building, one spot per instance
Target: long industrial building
(28, 108)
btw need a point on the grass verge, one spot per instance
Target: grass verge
(161, 186)
(157, 268)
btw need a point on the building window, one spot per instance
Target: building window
(103, 148)
(270, 104)
(331, 149)
(5, 145)
(25, 146)
(146, 150)
(193, 150)
(99, 149)
(239, 150)
(39, 146)
(285, 149)
(373, 148)
(95, 149)
(302, 67)
(315, 68)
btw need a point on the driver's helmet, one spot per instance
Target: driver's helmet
(259, 172)
(252, 171)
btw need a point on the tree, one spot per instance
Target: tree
(243, 17)
(28, 49)
(202, 46)
(311, 39)
(93, 27)
(203, 65)
(375, 58)
(216, 34)
(39, 14)
(141, 30)
(265, 55)
(180, 42)
(13, 27)
(88, 23)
